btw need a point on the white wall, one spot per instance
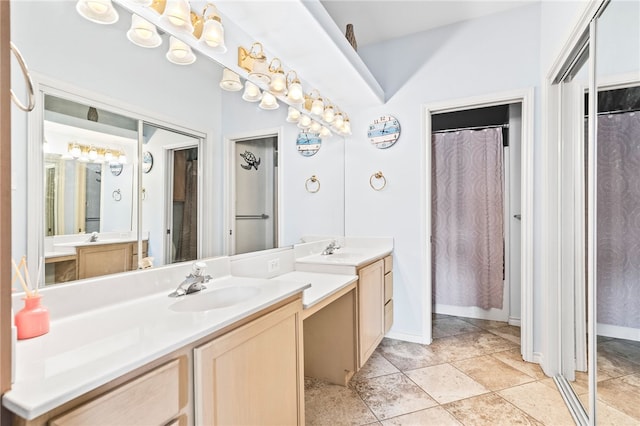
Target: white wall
(495, 54)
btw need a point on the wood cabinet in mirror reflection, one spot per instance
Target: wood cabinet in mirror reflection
(94, 260)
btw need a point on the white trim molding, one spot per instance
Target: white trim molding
(525, 97)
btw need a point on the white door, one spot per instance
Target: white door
(255, 194)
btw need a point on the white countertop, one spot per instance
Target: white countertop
(82, 352)
(322, 285)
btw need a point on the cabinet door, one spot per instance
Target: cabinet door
(371, 308)
(253, 375)
(103, 259)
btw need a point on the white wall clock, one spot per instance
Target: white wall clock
(384, 131)
(308, 143)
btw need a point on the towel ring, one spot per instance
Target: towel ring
(27, 78)
(312, 179)
(378, 175)
(117, 195)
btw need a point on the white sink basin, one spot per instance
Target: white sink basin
(215, 299)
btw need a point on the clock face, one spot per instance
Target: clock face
(308, 143)
(384, 131)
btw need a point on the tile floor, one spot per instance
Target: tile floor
(472, 374)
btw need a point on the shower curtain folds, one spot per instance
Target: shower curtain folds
(467, 218)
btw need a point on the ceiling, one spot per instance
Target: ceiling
(375, 21)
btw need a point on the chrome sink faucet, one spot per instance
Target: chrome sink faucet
(194, 282)
(333, 246)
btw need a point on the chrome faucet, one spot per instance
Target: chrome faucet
(94, 237)
(194, 282)
(333, 246)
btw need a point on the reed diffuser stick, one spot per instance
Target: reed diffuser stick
(24, 285)
(26, 272)
(15, 276)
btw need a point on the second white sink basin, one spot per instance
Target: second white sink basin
(215, 299)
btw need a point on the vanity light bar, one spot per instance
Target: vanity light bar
(95, 153)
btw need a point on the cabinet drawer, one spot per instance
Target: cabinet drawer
(388, 316)
(154, 398)
(388, 264)
(388, 287)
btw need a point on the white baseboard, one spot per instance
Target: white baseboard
(472, 312)
(413, 338)
(514, 321)
(618, 332)
(538, 358)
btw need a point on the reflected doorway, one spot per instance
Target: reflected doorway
(254, 194)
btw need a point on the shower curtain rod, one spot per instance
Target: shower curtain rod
(492, 126)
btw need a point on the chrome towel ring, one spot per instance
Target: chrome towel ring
(312, 180)
(378, 176)
(117, 195)
(27, 78)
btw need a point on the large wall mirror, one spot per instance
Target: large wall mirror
(98, 170)
(600, 193)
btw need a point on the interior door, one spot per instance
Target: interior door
(255, 194)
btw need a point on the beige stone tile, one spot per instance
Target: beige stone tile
(451, 327)
(431, 416)
(508, 332)
(607, 415)
(392, 395)
(469, 345)
(335, 405)
(540, 402)
(611, 366)
(622, 349)
(409, 356)
(485, 324)
(376, 365)
(445, 383)
(492, 373)
(490, 410)
(622, 394)
(513, 358)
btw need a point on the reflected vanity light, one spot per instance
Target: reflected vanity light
(98, 11)
(304, 122)
(208, 28)
(278, 83)
(315, 126)
(230, 81)
(293, 115)
(328, 114)
(338, 121)
(178, 14)
(251, 92)
(179, 52)
(317, 106)
(269, 101)
(295, 94)
(143, 33)
(324, 132)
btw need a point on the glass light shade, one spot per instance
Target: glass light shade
(329, 114)
(98, 11)
(269, 101)
(213, 35)
(251, 92)
(143, 33)
(178, 14)
(260, 72)
(179, 53)
(324, 132)
(338, 120)
(317, 106)
(75, 151)
(278, 82)
(230, 81)
(93, 154)
(293, 115)
(295, 93)
(108, 155)
(315, 126)
(304, 122)
(346, 127)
